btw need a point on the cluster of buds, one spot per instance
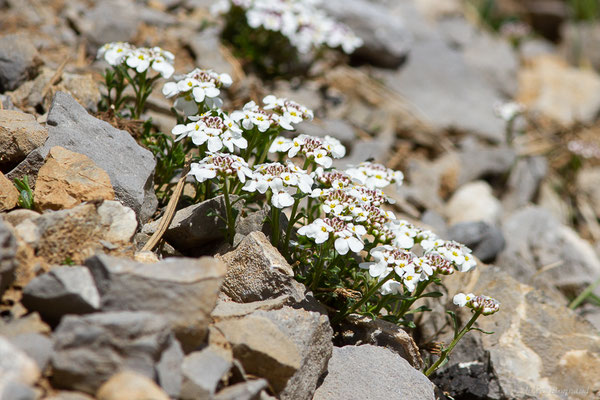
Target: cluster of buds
(222, 165)
(300, 21)
(346, 236)
(483, 304)
(321, 150)
(139, 59)
(281, 180)
(215, 129)
(197, 87)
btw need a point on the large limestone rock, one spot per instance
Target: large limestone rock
(89, 349)
(371, 372)
(288, 347)
(17, 370)
(18, 60)
(20, 134)
(130, 168)
(67, 179)
(78, 233)
(539, 348)
(182, 290)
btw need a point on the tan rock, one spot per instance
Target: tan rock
(9, 195)
(67, 179)
(129, 385)
(19, 135)
(564, 94)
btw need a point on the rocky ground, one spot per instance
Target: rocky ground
(85, 314)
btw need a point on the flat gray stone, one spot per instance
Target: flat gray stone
(386, 39)
(202, 372)
(18, 61)
(38, 347)
(131, 168)
(63, 290)
(168, 369)
(371, 372)
(182, 290)
(89, 349)
(486, 240)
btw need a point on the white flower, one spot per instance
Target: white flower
(508, 111)
(115, 53)
(322, 229)
(197, 87)
(221, 164)
(462, 299)
(374, 175)
(215, 129)
(318, 230)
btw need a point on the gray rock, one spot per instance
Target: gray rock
(250, 390)
(18, 391)
(544, 253)
(16, 369)
(490, 55)
(358, 330)
(131, 169)
(485, 239)
(195, 226)
(473, 201)
(257, 271)
(538, 344)
(288, 347)
(370, 372)
(588, 184)
(8, 252)
(168, 369)
(478, 161)
(202, 372)
(63, 290)
(19, 60)
(524, 182)
(386, 39)
(206, 47)
(425, 85)
(187, 285)
(38, 347)
(89, 349)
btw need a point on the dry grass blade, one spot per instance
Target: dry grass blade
(169, 210)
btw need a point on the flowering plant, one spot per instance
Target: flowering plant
(340, 235)
(271, 33)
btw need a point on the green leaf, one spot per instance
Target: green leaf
(432, 294)
(418, 310)
(481, 330)
(454, 319)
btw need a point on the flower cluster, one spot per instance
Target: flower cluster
(280, 179)
(197, 87)
(374, 175)
(285, 114)
(321, 150)
(347, 236)
(483, 304)
(220, 164)
(300, 21)
(139, 59)
(508, 111)
(215, 129)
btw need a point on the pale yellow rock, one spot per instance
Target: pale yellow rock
(562, 93)
(67, 179)
(19, 135)
(9, 195)
(129, 385)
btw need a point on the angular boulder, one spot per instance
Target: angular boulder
(182, 290)
(130, 168)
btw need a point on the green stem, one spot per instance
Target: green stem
(589, 290)
(446, 352)
(407, 303)
(364, 299)
(319, 268)
(291, 223)
(229, 212)
(275, 213)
